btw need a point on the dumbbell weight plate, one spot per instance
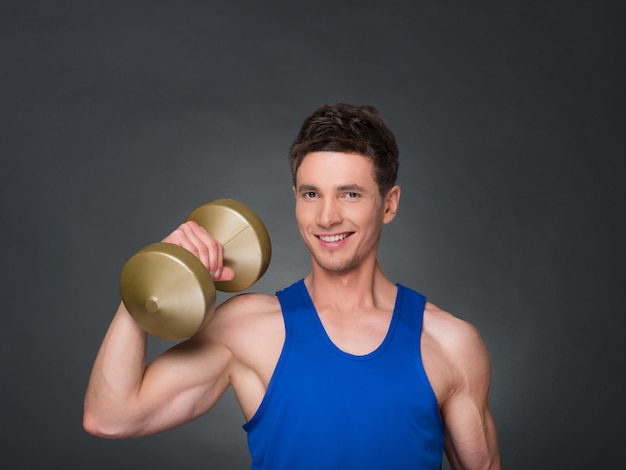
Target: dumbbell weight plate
(247, 245)
(167, 291)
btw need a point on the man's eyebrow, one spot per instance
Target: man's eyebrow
(343, 187)
(351, 187)
(306, 187)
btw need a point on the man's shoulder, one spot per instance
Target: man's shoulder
(445, 325)
(249, 299)
(455, 350)
(248, 306)
(456, 339)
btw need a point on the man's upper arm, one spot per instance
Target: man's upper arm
(471, 441)
(184, 383)
(124, 398)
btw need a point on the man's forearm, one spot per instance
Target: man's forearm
(116, 376)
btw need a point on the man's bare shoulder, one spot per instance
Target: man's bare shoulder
(447, 329)
(454, 349)
(248, 323)
(250, 304)
(252, 328)
(245, 309)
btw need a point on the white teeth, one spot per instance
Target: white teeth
(333, 238)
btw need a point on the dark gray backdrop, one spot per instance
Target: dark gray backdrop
(120, 117)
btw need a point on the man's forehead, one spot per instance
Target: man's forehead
(339, 161)
(335, 170)
(332, 153)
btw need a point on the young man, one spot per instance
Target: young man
(344, 369)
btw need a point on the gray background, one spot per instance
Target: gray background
(120, 117)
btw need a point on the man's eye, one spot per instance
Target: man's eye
(352, 195)
(309, 195)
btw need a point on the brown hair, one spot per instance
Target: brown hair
(350, 129)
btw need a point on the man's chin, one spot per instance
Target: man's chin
(337, 266)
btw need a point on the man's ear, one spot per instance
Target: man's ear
(392, 203)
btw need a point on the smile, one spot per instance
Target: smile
(333, 238)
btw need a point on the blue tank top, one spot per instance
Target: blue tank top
(327, 409)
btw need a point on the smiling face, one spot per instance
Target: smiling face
(339, 209)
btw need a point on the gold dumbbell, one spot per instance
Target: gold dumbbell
(170, 293)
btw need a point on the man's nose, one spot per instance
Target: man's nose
(330, 213)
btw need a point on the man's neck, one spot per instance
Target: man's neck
(364, 287)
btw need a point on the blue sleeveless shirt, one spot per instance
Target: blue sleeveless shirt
(328, 409)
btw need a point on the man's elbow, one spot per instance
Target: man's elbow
(104, 427)
(488, 462)
(494, 463)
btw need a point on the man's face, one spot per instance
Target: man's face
(339, 209)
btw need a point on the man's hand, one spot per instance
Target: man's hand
(205, 247)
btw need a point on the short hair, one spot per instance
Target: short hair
(357, 129)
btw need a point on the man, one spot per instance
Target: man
(344, 369)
